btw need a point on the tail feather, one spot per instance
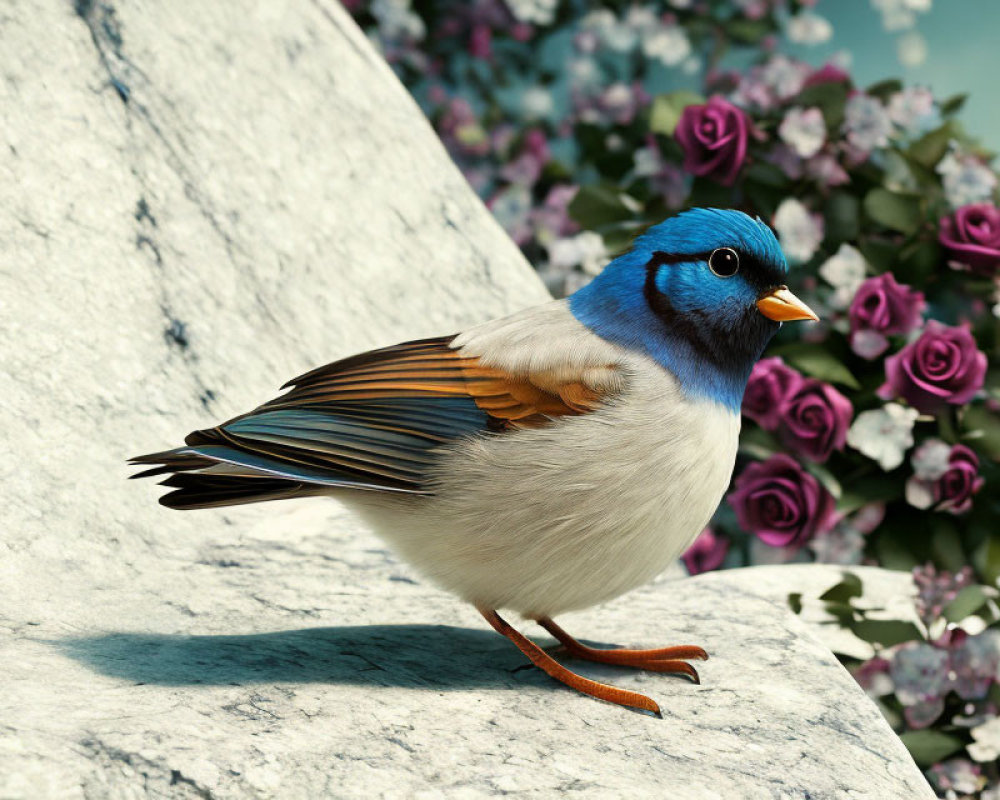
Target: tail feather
(194, 490)
(211, 475)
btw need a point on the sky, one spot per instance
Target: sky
(963, 54)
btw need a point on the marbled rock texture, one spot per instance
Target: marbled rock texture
(197, 202)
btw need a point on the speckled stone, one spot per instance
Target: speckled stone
(197, 202)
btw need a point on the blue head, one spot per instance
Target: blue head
(701, 293)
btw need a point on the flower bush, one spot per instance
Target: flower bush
(935, 675)
(872, 436)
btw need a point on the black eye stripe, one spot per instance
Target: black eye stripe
(762, 275)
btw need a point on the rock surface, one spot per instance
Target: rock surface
(197, 202)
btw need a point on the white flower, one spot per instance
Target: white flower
(784, 76)
(867, 124)
(884, 434)
(986, 746)
(911, 49)
(803, 129)
(585, 250)
(396, 21)
(641, 18)
(536, 102)
(668, 44)
(539, 12)
(911, 108)
(899, 15)
(845, 272)
(647, 161)
(843, 545)
(799, 231)
(930, 460)
(614, 34)
(583, 72)
(966, 180)
(807, 27)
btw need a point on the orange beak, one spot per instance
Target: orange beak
(783, 306)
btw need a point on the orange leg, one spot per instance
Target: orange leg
(664, 659)
(545, 662)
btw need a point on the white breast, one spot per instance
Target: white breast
(565, 516)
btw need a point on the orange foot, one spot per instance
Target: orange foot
(663, 660)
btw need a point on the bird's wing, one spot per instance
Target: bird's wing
(375, 420)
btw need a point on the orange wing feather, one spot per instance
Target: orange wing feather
(430, 368)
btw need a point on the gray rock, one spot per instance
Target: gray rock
(198, 201)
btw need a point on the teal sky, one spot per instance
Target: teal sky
(963, 54)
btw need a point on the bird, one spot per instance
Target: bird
(540, 463)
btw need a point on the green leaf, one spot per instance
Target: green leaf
(842, 214)
(795, 602)
(884, 89)
(870, 488)
(898, 212)
(709, 194)
(829, 98)
(842, 592)
(990, 559)
(918, 260)
(982, 427)
(817, 362)
(878, 252)
(928, 746)
(931, 147)
(595, 206)
(886, 632)
(667, 108)
(952, 105)
(894, 553)
(826, 478)
(745, 30)
(966, 603)
(767, 174)
(946, 545)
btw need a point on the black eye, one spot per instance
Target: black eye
(724, 262)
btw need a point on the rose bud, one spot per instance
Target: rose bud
(880, 308)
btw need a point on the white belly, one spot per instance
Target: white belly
(563, 517)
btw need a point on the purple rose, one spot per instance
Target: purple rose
(706, 553)
(942, 366)
(714, 137)
(771, 381)
(828, 73)
(880, 308)
(814, 420)
(953, 491)
(973, 237)
(781, 503)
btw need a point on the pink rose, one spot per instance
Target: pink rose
(814, 420)
(771, 381)
(942, 366)
(781, 503)
(972, 235)
(714, 137)
(880, 308)
(706, 553)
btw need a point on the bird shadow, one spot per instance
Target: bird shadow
(415, 656)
